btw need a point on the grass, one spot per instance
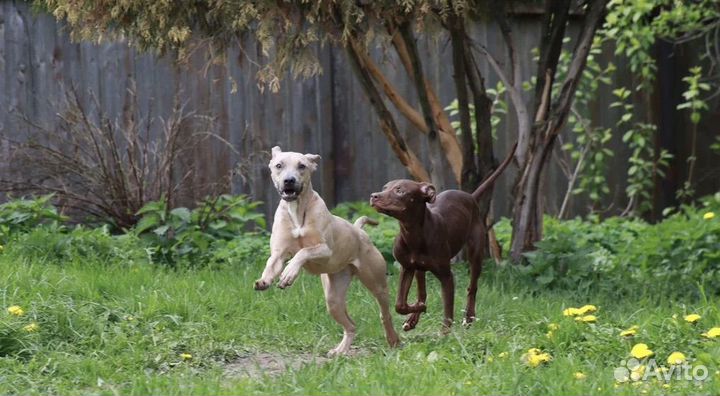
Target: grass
(121, 328)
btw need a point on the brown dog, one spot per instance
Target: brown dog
(433, 229)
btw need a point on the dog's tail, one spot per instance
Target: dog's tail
(360, 223)
(490, 180)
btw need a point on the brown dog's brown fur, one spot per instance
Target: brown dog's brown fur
(433, 229)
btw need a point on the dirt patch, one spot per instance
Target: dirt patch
(260, 364)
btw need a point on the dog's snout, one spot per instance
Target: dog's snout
(289, 181)
(374, 196)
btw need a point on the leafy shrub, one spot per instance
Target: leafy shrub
(22, 215)
(60, 245)
(182, 233)
(680, 255)
(251, 249)
(383, 235)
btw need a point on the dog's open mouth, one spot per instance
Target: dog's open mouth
(290, 193)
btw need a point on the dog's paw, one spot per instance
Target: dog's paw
(261, 284)
(467, 321)
(288, 276)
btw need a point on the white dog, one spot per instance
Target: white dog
(323, 244)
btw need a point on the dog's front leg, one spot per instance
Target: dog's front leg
(292, 270)
(271, 271)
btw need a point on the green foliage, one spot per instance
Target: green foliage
(623, 256)
(184, 234)
(498, 110)
(22, 215)
(645, 161)
(590, 150)
(693, 95)
(383, 235)
(114, 329)
(61, 245)
(635, 25)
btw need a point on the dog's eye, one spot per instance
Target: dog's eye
(399, 191)
(278, 165)
(301, 166)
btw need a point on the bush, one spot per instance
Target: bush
(679, 255)
(192, 235)
(60, 245)
(25, 214)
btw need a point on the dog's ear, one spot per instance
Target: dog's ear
(428, 191)
(314, 159)
(276, 150)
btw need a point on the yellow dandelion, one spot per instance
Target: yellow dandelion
(641, 351)
(535, 357)
(2, 248)
(692, 318)
(712, 333)
(186, 356)
(630, 332)
(553, 326)
(32, 327)
(709, 216)
(490, 359)
(666, 386)
(585, 309)
(580, 375)
(549, 334)
(676, 358)
(587, 319)
(503, 355)
(571, 312)
(16, 310)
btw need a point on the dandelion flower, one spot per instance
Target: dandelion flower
(490, 359)
(503, 355)
(535, 357)
(712, 333)
(630, 332)
(553, 326)
(32, 327)
(2, 248)
(585, 309)
(16, 310)
(641, 351)
(692, 318)
(676, 358)
(587, 319)
(186, 356)
(666, 386)
(571, 312)
(709, 216)
(580, 375)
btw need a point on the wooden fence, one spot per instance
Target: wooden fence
(327, 114)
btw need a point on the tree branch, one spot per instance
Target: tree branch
(387, 123)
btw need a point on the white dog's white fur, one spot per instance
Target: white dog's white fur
(326, 245)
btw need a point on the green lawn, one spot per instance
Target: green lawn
(121, 329)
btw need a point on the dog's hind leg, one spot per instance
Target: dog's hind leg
(371, 273)
(477, 248)
(335, 287)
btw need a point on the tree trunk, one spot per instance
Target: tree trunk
(549, 119)
(437, 170)
(387, 122)
(470, 177)
(448, 139)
